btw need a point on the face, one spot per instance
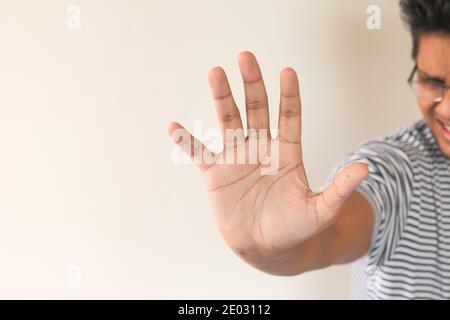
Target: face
(433, 63)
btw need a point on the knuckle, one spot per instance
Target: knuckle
(227, 118)
(337, 191)
(288, 112)
(256, 105)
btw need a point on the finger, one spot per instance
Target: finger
(226, 109)
(200, 155)
(335, 195)
(289, 121)
(256, 101)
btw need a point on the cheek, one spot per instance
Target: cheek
(427, 109)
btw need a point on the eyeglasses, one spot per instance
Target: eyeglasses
(427, 89)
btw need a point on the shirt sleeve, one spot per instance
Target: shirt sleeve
(388, 189)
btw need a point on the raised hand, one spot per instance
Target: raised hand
(265, 214)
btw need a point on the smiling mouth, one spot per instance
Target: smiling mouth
(445, 130)
(443, 125)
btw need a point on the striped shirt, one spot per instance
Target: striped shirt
(408, 189)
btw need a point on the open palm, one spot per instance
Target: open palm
(256, 211)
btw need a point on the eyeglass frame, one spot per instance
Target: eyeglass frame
(444, 88)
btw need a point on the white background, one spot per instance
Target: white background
(86, 177)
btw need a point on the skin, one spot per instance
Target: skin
(276, 223)
(433, 61)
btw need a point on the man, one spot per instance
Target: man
(387, 204)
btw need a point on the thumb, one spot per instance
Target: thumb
(336, 194)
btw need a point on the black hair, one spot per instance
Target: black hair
(425, 17)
